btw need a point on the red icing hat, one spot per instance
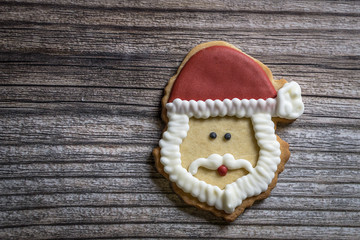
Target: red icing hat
(221, 72)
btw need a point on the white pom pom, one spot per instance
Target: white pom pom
(289, 101)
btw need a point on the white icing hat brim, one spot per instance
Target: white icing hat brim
(288, 104)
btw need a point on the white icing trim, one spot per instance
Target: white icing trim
(232, 196)
(227, 107)
(288, 104)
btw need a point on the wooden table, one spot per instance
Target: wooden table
(81, 83)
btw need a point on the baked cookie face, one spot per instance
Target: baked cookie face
(219, 136)
(219, 148)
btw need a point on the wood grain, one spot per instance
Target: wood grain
(80, 90)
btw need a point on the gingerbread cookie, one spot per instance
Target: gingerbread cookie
(219, 148)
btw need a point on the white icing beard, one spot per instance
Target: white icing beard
(258, 179)
(232, 196)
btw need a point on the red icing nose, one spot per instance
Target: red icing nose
(222, 170)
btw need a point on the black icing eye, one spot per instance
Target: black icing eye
(213, 135)
(227, 136)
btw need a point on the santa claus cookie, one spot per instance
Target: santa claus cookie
(219, 148)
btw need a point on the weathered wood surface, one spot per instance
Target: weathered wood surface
(80, 90)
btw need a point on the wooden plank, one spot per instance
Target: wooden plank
(23, 108)
(323, 7)
(318, 110)
(157, 184)
(114, 41)
(317, 106)
(306, 158)
(316, 75)
(90, 129)
(274, 202)
(86, 154)
(181, 230)
(141, 153)
(136, 17)
(126, 96)
(146, 170)
(138, 214)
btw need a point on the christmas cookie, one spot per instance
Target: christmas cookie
(219, 148)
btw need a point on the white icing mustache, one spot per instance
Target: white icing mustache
(214, 161)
